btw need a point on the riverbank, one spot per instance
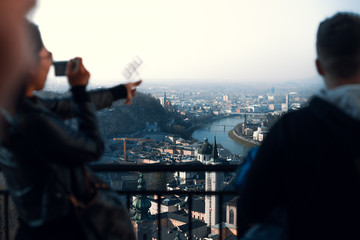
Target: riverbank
(242, 140)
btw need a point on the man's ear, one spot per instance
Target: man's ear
(319, 67)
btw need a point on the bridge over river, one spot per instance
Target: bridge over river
(220, 128)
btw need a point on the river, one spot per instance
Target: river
(217, 128)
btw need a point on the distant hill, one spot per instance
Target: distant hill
(121, 119)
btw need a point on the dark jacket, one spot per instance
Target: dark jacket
(309, 164)
(43, 146)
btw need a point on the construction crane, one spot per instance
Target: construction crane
(132, 139)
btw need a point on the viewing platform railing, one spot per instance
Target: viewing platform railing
(146, 168)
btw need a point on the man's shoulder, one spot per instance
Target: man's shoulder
(301, 115)
(315, 108)
(302, 120)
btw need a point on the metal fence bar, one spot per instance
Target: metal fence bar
(128, 201)
(175, 192)
(190, 216)
(163, 168)
(238, 219)
(159, 215)
(220, 215)
(6, 209)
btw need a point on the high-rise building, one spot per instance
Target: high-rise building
(163, 100)
(286, 109)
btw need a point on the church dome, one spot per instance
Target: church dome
(206, 148)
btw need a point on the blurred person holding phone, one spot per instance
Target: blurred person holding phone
(40, 145)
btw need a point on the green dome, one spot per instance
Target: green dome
(206, 148)
(141, 202)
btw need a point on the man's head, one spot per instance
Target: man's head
(338, 49)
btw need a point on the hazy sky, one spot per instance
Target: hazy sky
(238, 40)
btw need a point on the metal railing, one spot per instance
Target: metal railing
(158, 168)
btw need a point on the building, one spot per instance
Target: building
(285, 106)
(163, 100)
(177, 227)
(151, 128)
(260, 134)
(231, 212)
(248, 132)
(198, 209)
(229, 227)
(169, 204)
(142, 220)
(214, 181)
(204, 153)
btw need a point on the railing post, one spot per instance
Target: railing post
(190, 217)
(128, 201)
(220, 214)
(238, 218)
(159, 216)
(6, 209)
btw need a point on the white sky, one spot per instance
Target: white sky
(237, 40)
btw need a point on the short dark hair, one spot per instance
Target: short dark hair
(338, 44)
(35, 40)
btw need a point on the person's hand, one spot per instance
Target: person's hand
(130, 89)
(78, 76)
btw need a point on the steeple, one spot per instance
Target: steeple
(214, 153)
(141, 204)
(245, 122)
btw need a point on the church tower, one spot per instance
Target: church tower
(163, 100)
(143, 222)
(214, 181)
(244, 124)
